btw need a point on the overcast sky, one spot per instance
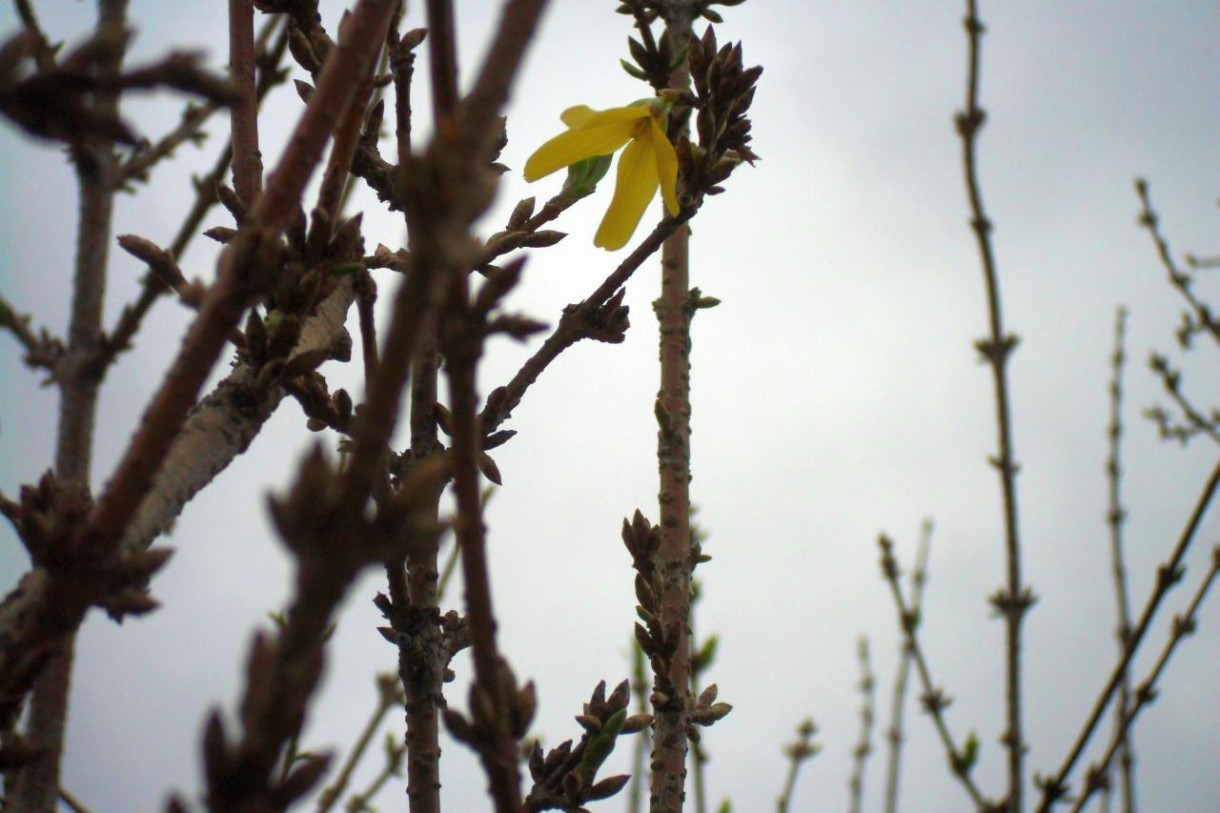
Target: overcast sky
(836, 395)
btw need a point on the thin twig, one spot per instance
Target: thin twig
(864, 746)
(1115, 517)
(1178, 278)
(934, 699)
(574, 323)
(1014, 600)
(42, 350)
(388, 697)
(74, 804)
(132, 316)
(395, 752)
(894, 734)
(1183, 625)
(44, 54)
(1168, 574)
(640, 747)
(1196, 423)
(798, 753)
(193, 118)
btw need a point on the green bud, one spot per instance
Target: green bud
(583, 175)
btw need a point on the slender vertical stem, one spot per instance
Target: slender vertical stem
(80, 376)
(1115, 517)
(247, 160)
(422, 667)
(462, 351)
(864, 745)
(1014, 600)
(442, 52)
(898, 703)
(673, 409)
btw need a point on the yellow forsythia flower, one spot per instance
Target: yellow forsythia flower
(648, 161)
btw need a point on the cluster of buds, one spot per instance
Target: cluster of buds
(566, 777)
(51, 520)
(723, 93)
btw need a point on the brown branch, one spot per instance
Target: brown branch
(190, 128)
(1115, 517)
(1180, 280)
(461, 354)
(442, 53)
(579, 321)
(1183, 625)
(44, 54)
(894, 733)
(239, 283)
(36, 785)
(132, 316)
(45, 607)
(442, 193)
(1014, 600)
(247, 160)
(935, 700)
(674, 559)
(422, 659)
(331, 544)
(1168, 574)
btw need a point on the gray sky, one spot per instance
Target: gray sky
(836, 396)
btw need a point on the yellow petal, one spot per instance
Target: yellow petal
(576, 116)
(584, 117)
(634, 189)
(567, 148)
(667, 167)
